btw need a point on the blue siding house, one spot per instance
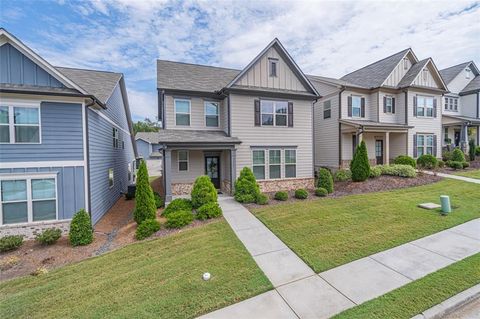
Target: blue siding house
(66, 141)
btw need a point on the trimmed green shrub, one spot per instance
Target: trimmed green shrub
(466, 164)
(471, 149)
(283, 196)
(10, 242)
(246, 187)
(477, 151)
(325, 179)
(427, 161)
(301, 193)
(455, 165)
(158, 200)
(262, 199)
(405, 160)
(376, 171)
(398, 170)
(179, 219)
(81, 230)
(145, 207)
(441, 164)
(49, 236)
(209, 210)
(203, 192)
(447, 156)
(147, 228)
(177, 205)
(321, 192)
(458, 156)
(342, 175)
(359, 166)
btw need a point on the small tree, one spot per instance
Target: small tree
(325, 180)
(203, 192)
(471, 150)
(458, 155)
(145, 207)
(359, 166)
(81, 230)
(246, 187)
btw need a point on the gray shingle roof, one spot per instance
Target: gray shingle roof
(186, 137)
(472, 120)
(374, 124)
(373, 75)
(34, 88)
(193, 77)
(450, 73)
(315, 78)
(474, 85)
(412, 73)
(97, 83)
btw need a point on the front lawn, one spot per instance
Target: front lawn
(160, 278)
(472, 174)
(333, 231)
(420, 295)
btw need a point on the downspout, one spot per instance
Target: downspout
(340, 126)
(88, 157)
(406, 120)
(313, 135)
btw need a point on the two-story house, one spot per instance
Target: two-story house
(217, 121)
(461, 106)
(392, 104)
(65, 141)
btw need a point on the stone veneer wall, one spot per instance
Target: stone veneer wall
(372, 161)
(182, 188)
(30, 230)
(286, 184)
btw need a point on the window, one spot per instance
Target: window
(424, 144)
(273, 64)
(28, 199)
(258, 164)
(405, 63)
(20, 124)
(356, 106)
(129, 176)
(327, 109)
(4, 126)
(451, 103)
(116, 138)
(389, 104)
(182, 112)
(274, 162)
(455, 104)
(110, 177)
(445, 134)
(424, 106)
(274, 113)
(183, 160)
(290, 163)
(211, 114)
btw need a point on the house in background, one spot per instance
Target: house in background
(66, 141)
(215, 121)
(150, 153)
(461, 106)
(392, 104)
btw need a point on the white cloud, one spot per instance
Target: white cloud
(143, 104)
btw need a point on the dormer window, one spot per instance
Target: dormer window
(405, 63)
(467, 73)
(273, 65)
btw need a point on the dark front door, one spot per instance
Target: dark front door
(457, 138)
(212, 169)
(379, 151)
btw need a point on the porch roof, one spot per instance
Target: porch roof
(372, 126)
(462, 119)
(187, 137)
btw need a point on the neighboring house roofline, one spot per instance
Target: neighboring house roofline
(123, 90)
(142, 139)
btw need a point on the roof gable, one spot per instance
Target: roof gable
(415, 76)
(450, 73)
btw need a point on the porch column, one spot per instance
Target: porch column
(167, 162)
(233, 169)
(464, 137)
(387, 148)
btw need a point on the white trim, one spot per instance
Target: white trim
(296, 162)
(110, 121)
(264, 150)
(279, 164)
(274, 114)
(42, 164)
(11, 119)
(86, 173)
(205, 112)
(189, 111)
(187, 161)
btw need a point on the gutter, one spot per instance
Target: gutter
(87, 142)
(342, 88)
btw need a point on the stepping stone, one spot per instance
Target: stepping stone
(429, 206)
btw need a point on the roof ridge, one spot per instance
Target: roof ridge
(456, 65)
(82, 69)
(197, 64)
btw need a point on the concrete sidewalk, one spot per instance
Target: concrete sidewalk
(299, 293)
(457, 177)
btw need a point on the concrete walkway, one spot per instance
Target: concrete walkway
(300, 293)
(457, 177)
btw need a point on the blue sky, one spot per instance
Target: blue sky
(329, 38)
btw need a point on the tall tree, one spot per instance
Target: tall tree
(145, 207)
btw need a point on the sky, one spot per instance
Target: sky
(327, 38)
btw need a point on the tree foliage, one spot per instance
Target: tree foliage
(359, 166)
(145, 207)
(145, 126)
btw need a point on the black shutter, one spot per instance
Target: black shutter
(415, 106)
(415, 154)
(434, 107)
(384, 104)
(257, 112)
(393, 105)
(290, 114)
(160, 106)
(349, 106)
(363, 107)
(435, 145)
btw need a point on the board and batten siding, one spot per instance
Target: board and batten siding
(326, 133)
(399, 71)
(429, 80)
(61, 136)
(300, 135)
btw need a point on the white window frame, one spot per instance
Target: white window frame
(115, 137)
(355, 107)
(11, 121)
(270, 164)
(113, 177)
(183, 161)
(271, 62)
(189, 111)
(455, 104)
(285, 162)
(29, 200)
(205, 113)
(327, 106)
(264, 163)
(425, 106)
(425, 145)
(274, 114)
(387, 106)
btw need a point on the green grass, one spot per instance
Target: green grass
(160, 278)
(472, 174)
(420, 295)
(333, 231)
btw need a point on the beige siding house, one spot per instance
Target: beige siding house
(392, 104)
(215, 121)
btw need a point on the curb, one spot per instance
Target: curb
(448, 306)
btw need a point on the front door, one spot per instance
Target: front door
(212, 169)
(379, 151)
(457, 138)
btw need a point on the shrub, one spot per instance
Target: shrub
(325, 179)
(301, 193)
(359, 166)
(398, 170)
(465, 164)
(458, 156)
(477, 151)
(342, 175)
(147, 228)
(281, 196)
(441, 164)
(405, 160)
(81, 231)
(209, 210)
(321, 192)
(179, 219)
(203, 192)
(49, 236)
(145, 207)
(177, 205)
(246, 187)
(262, 199)
(447, 156)
(427, 161)
(158, 200)
(455, 164)
(10, 242)
(376, 171)
(471, 149)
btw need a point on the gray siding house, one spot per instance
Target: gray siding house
(65, 140)
(215, 121)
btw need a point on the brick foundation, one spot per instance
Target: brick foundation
(286, 184)
(30, 230)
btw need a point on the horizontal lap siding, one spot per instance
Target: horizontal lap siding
(326, 133)
(399, 116)
(370, 105)
(144, 149)
(196, 167)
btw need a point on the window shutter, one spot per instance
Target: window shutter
(415, 153)
(435, 145)
(257, 112)
(290, 114)
(393, 105)
(363, 107)
(384, 104)
(415, 106)
(434, 107)
(350, 106)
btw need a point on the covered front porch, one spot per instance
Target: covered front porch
(459, 130)
(384, 141)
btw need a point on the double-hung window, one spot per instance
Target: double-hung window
(290, 163)
(274, 113)
(424, 106)
(183, 161)
(211, 114)
(20, 124)
(425, 144)
(258, 166)
(4, 124)
(116, 137)
(356, 106)
(327, 109)
(182, 112)
(275, 164)
(388, 104)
